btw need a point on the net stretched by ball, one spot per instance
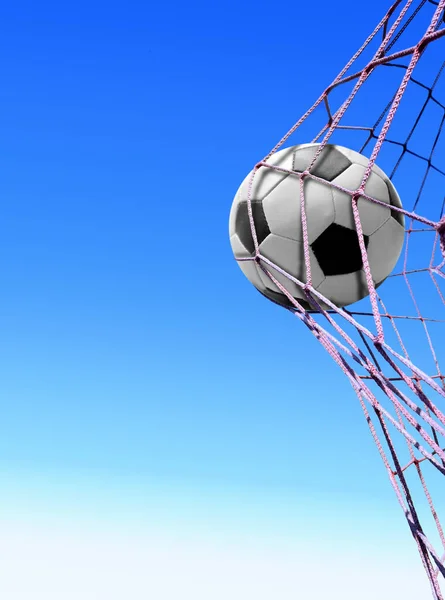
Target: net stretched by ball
(343, 224)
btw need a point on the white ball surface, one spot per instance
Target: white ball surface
(335, 257)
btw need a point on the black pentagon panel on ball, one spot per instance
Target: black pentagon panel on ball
(329, 164)
(337, 250)
(284, 301)
(242, 224)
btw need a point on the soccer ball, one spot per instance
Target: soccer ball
(335, 256)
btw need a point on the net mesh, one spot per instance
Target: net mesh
(388, 103)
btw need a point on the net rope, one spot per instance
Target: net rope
(391, 347)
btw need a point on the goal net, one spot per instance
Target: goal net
(388, 103)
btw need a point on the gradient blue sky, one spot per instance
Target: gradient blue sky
(149, 393)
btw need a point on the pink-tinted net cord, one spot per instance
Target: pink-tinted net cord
(414, 411)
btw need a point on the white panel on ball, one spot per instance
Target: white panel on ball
(282, 209)
(319, 204)
(248, 267)
(384, 249)
(264, 181)
(372, 215)
(344, 289)
(289, 256)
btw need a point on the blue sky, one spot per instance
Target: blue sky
(146, 386)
